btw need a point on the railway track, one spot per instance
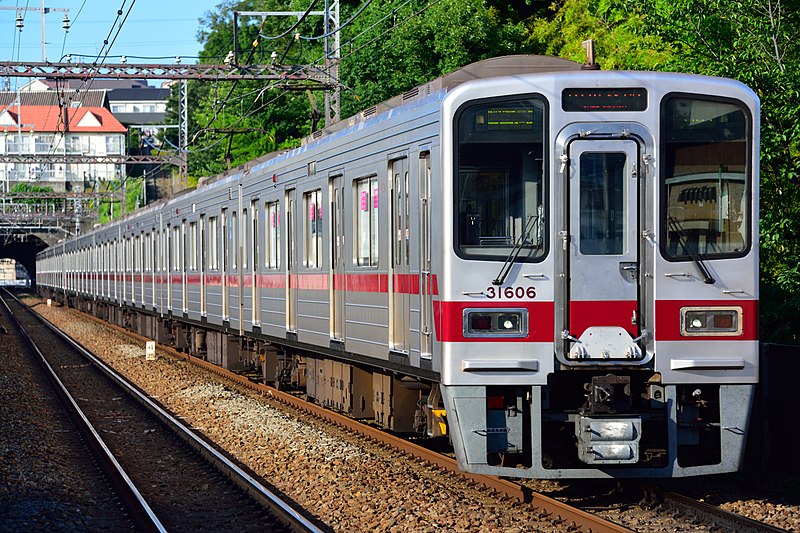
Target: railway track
(709, 514)
(167, 477)
(561, 514)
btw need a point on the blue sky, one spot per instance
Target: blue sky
(154, 29)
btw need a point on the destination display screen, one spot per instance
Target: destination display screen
(617, 99)
(509, 119)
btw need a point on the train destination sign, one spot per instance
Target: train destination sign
(613, 99)
(510, 119)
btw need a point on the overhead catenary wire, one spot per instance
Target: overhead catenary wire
(251, 111)
(294, 26)
(341, 26)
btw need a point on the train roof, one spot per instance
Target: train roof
(488, 68)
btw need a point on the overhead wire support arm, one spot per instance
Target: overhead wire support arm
(95, 159)
(331, 36)
(301, 77)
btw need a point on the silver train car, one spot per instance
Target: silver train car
(555, 267)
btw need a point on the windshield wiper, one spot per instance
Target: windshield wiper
(533, 221)
(683, 240)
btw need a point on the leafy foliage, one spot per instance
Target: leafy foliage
(24, 189)
(391, 49)
(615, 26)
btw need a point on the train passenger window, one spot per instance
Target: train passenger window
(705, 178)
(312, 250)
(234, 238)
(137, 254)
(499, 179)
(247, 240)
(176, 248)
(366, 221)
(255, 245)
(272, 244)
(148, 250)
(225, 241)
(213, 252)
(193, 246)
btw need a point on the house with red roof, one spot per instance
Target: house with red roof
(32, 130)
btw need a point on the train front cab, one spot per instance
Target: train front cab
(602, 322)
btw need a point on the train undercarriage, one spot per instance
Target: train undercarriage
(581, 421)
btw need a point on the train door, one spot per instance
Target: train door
(291, 262)
(225, 263)
(337, 245)
(161, 261)
(202, 266)
(604, 256)
(141, 243)
(255, 303)
(426, 305)
(400, 243)
(153, 265)
(182, 261)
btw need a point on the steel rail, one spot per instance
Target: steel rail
(725, 519)
(141, 513)
(559, 512)
(288, 515)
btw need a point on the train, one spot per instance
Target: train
(554, 267)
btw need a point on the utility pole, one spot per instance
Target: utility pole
(183, 133)
(44, 11)
(332, 58)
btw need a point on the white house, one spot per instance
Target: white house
(53, 130)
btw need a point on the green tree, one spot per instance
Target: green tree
(615, 26)
(390, 49)
(755, 42)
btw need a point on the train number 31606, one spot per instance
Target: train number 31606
(510, 293)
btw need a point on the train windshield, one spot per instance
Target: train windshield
(499, 179)
(705, 178)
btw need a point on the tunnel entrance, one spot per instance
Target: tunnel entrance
(18, 257)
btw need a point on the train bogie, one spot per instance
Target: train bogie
(557, 269)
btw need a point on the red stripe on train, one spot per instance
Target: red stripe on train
(377, 283)
(449, 320)
(584, 314)
(668, 319)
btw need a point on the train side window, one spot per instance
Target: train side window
(255, 245)
(137, 254)
(312, 249)
(225, 241)
(234, 250)
(246, 239)
(148, 252)
(176, 248)
(127, 250)
(193, 246)
(272, 235)
(706, 178)
(366, 221)
(213, 252)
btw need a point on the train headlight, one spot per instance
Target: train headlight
(495, 323)
(711, 321)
